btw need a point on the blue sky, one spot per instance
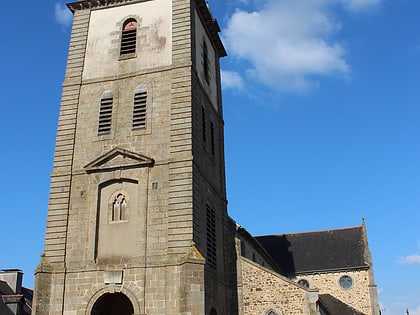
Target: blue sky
(322, 124)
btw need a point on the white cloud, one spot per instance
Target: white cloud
(288, 43)
(62, 14)
(231, 79)
(359, 5)
(410, 260)
(415, 312)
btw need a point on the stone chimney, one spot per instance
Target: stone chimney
(14, 278)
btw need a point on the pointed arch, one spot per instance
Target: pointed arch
(272, 311)
(118, 204)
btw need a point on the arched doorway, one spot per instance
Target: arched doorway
(113, 304)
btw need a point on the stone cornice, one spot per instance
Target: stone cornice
(210, 23)
(92, 4)
(212, 26)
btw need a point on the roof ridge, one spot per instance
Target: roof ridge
(315, 231)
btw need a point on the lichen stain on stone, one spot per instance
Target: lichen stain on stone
(158, 42)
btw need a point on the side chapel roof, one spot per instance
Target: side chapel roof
(8, 296)
(331, 305)
(339, 249)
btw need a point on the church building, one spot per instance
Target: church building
(137, 216)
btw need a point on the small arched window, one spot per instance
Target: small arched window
(119, 207)
(129, 37)
(271, 313)
(105, 113)
(304, 283)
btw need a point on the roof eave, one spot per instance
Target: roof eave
(342, 269)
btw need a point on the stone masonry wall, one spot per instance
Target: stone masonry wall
(49, 277)
(170, 290)
(158, 277)
(264, 290)
(357, 296)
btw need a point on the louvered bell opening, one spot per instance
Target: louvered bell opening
(211, 252)
(203, 124)
(139, 111)
(105, 116)
(128, 41)
(212, 139)
(211, 236)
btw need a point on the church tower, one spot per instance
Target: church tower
(137, 220)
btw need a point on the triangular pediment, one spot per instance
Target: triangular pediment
(119, 158)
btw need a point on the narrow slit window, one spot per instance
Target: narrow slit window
(203, 124)
(105, 113)
(206, 68)
(212, 139)
(211, 235)
(129, 37)
(140, 107)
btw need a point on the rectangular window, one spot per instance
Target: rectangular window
(211, 235)
(105, 116)
(139, 110)
(128, 41)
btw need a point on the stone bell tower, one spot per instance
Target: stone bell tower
(137, 220)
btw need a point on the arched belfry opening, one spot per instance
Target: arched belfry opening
(113, 304)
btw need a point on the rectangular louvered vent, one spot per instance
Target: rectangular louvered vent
(211, 236)
(212, 139)
(128, 41)
(203, 124)
(139, 110)
(105, 116)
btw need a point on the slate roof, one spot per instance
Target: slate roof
(5, 289)
(4, 310)
(7, 295)
(331, 305)
(317, 251)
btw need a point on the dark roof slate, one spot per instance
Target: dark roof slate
(334, 306)
(7, 295)
(4, 310)
(5, 289)
(317, 251)
(28, 294)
